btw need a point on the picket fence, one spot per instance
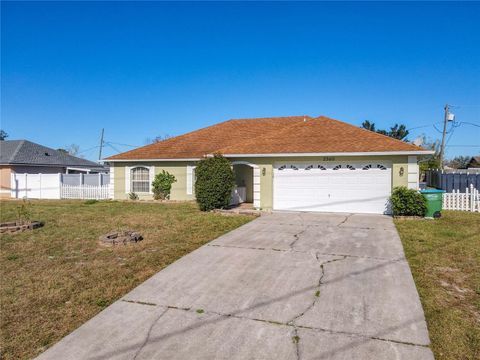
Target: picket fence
(84, 192)
(467, 201)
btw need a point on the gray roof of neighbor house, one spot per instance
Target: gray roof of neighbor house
(24, 152)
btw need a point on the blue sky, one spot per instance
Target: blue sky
(145, 69)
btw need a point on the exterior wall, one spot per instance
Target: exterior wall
(5, 178)
(177, 169)
(408, 177)
(266, 171)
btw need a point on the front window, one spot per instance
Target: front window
(140, 180)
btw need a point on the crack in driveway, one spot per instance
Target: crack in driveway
(344, 220)
(297, 235)
(147, 337)
(317, 293)
(271, 322)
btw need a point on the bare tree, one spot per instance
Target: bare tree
(459, 162)
(157, 139)
(73, 149)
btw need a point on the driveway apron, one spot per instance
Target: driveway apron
(284, 286)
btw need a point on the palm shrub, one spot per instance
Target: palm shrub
(407, 202)
(133, 196)
(162, 185)
(214, 183)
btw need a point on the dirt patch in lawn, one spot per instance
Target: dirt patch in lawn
(55, 278)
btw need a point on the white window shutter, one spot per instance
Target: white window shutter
(190, 184)
(127, 179)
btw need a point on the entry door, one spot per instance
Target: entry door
(332, 187)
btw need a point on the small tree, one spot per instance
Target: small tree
(407, 202)
(398, 131)
(214, 183)
(3, 135)
(162, 184)
(368, 125)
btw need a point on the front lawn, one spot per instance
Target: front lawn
(444, 256)
(55, 278)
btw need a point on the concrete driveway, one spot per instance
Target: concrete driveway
(284, 286)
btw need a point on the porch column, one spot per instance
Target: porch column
(256, 187)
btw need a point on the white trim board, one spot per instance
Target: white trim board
(148, 160)
(372, 153)
(376, 153)
(190, 182)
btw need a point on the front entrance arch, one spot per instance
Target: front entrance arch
(255, 177)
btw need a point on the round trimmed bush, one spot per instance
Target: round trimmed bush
(407, 202)
(214, 183)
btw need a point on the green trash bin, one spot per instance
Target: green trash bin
(434, 202)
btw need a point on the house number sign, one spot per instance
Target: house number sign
(328, 158)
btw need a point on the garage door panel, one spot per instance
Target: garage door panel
(341, 190)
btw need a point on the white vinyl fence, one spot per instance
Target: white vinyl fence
(84, 192)
(35, 186)
(467, 201)
(53, 186)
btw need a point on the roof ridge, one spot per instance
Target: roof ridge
(272, 117)
(277, 131)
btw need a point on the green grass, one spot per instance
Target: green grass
(444, 256)
(55, 278)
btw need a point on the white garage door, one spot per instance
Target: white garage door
(332, 187)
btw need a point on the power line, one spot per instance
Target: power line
(469, 123)
(458, 106)
(95, 147)
(463, 146)
(134, 146)
(113, 147)
(423, 126)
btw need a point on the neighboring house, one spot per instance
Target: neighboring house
(474, 162)
(26, 157)
(285, 163)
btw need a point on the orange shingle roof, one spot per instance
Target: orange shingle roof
(294, 134)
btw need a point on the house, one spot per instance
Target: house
(474, 162)
(286, 163)
(26, 157)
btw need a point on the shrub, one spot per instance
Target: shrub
(162, 184)
(132, 196)
(214, 183)
(407, 202)
(90, 202)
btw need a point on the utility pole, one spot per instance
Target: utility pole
(442, 146)
(101, 146)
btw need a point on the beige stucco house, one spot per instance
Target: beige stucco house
(294, 163)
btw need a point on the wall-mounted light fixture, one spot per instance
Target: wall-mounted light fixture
(401, 171)
(264, 171)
